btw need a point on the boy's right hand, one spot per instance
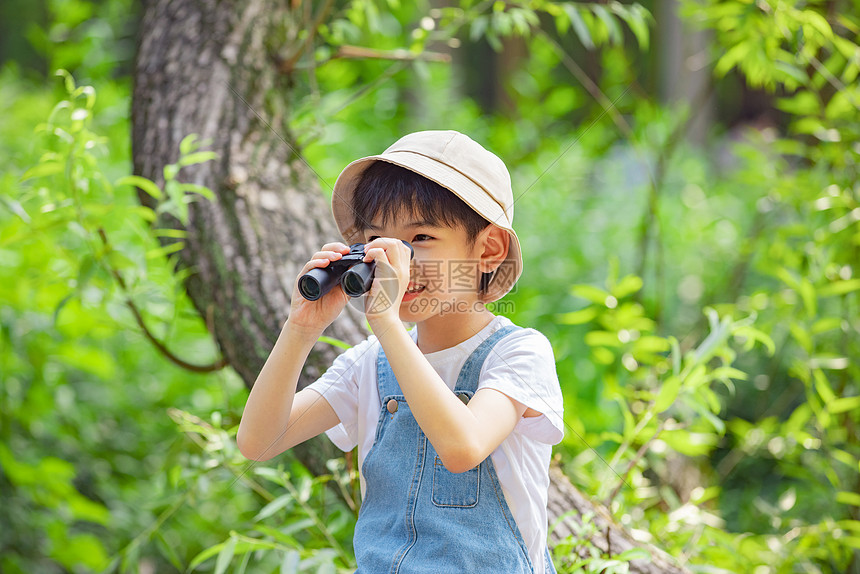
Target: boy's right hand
(312, 317)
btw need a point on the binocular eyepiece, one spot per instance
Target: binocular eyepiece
(354, 275)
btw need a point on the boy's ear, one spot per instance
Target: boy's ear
(492, 245)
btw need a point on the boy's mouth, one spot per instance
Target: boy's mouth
(413, 288)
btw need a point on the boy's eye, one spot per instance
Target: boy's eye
(419, 237)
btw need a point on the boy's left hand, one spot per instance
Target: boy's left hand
(391, 278)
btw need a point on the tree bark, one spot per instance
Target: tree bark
(209, 67)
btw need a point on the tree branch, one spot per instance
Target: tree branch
(138, 317)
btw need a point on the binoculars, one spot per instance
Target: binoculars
(354, 275)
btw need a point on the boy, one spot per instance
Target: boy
(454, 419)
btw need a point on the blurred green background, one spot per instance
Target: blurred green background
(689, 209)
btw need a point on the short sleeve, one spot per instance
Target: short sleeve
(522, 366)
(339, 386)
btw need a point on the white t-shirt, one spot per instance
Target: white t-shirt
(521, 366)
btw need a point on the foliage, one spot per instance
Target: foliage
(577, 553)
(710, 381)
(302, 524)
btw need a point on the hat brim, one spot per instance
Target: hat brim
(457, 183)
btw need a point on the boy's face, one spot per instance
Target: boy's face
(444, 275)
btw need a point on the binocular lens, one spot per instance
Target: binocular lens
(352, 285)
(357, 280)
(310, 288)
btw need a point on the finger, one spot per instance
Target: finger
(383, 242)
(327, 255)
(315, 263)
(336, 246)
(395, 248)
(399, 256)
(375, 254)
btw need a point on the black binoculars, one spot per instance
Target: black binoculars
(354, 275)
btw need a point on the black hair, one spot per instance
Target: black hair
(386, 190)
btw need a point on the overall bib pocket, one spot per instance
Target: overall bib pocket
(455, 490)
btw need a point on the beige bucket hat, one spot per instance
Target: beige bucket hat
(457, 163)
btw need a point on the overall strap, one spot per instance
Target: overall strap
(386, 383)
(467, 382)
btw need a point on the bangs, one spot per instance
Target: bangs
(387, 192)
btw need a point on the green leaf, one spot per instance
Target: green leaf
(160, 252)
(225, 556)
(715, 421)
(754, 336)
(120, 261)
(188, 144)
(142, 183)
(591, 293)
(196, 157)
(726, 372)
(170, 171)
(603, 356)
(823, 387)
(627, 286)
(731, 58)
(840, 288)
(334, 342)
(83, 508)
(818, 22)
(676, 356)
(145, 213)
(577, 317)
(845, 458)
(279, 477)
(168, 551)
(690, 443)
(801, 336)
(478, 28)
(290, 563)
(298, 526)
(845, 497)
(274, 506)
(651, 344)
(802, 104)
(717, 336)
(205, 555)
(792, 71)
(278, 535)
(199, 189)
(634, 554)
(637, 17)
(42, 169)
(612, 27)
(807, 293)
(808, 125)
(667, 394)
(81, 550)
(843, 404)
(853, 525)
(602, 338)
(169, 232)
(579, 25)
(15, 207)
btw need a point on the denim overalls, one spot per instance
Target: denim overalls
(417, 517)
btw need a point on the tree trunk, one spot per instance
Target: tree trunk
(210, 67)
